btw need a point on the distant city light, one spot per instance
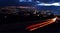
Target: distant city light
(52, 4)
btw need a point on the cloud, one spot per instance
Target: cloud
(51, 4)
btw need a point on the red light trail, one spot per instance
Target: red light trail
(39, 25)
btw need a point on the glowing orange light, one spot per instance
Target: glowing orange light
(39, 25)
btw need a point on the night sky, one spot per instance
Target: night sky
(17, 3)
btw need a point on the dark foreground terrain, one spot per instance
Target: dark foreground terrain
(11, 24)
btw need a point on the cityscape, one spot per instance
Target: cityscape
(30, 16)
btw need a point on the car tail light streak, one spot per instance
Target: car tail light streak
(40, 25)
